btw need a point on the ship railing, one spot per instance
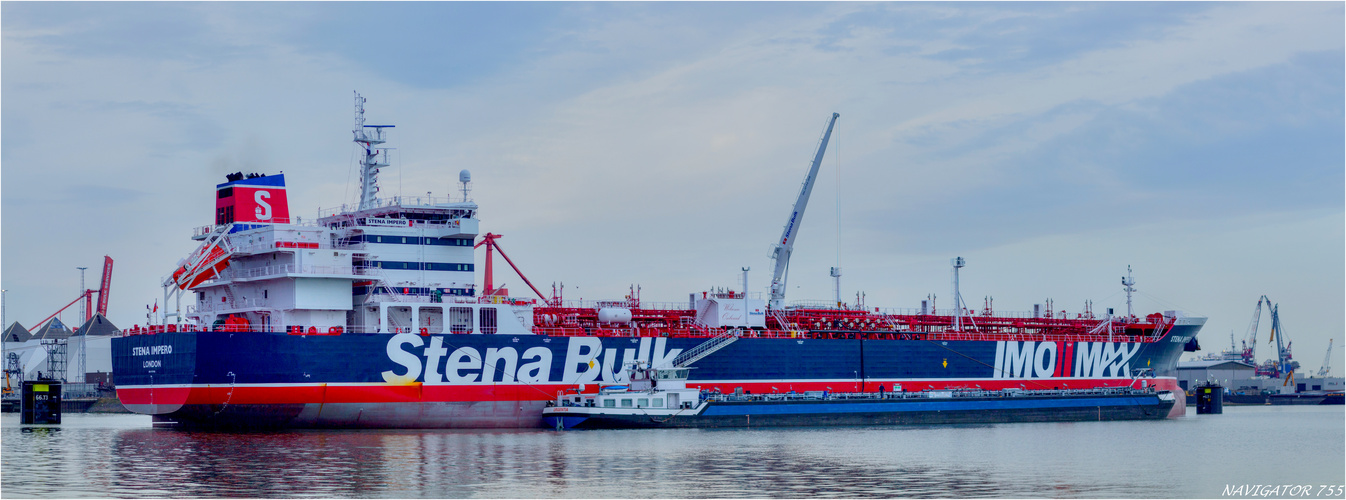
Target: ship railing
(570, 331)
(706, 348)
(156, 329)
(280, 269)
(425, 298)
(630, 304)
(383, 291)
(387, 292)
(1042, 337)
(232, 305)
(250, 327)
(812, 304)
(264, 247)
(682, 332)
(394, 294)
(983, 313)
(200, 231)
(635, 331)
(1162, 328)
(1106, 324)
(393, 201)
(510, 301)
(892, 324)
(391, 294)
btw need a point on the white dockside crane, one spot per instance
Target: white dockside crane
(780, 253)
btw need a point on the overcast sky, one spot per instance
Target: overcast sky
(662, 144)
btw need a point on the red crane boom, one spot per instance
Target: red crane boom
(87, 296)
(104, 287)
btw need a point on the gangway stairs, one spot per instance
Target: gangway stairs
(780, 320)
(1102, 325)
(893, 325)
(706, 348)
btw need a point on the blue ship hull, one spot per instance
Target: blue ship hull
(253, 379)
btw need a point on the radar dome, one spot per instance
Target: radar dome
(464, 176)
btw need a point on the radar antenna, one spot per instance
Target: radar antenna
(465, 182)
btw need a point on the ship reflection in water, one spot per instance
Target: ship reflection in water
(120, 456)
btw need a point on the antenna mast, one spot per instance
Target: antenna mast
(1129, 283)
(369, 136)
(958, 263)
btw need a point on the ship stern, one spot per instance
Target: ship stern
(153, 373)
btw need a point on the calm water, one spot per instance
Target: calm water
(122, 456)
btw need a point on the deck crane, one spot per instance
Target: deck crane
(489, 241)
(87, 296)
(780, 252)
(1326, 369)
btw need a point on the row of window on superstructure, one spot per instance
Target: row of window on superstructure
(407, 240)
(410, 290)
(416, 266)
(416, 218)
(639, 402)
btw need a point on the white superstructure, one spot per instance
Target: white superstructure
(388, 265)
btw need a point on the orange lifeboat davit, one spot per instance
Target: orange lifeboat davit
(204, 263)
(215, 261)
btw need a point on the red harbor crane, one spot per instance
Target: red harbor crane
(87, 295)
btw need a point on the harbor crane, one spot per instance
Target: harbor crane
(1326, 369)
(1249, 351)
(87, 296)
(1283, 364)
(780, 252)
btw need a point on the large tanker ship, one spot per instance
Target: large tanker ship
(369, 316)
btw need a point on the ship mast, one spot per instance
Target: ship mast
(1128, 282)
(369, 136)
(958, 263)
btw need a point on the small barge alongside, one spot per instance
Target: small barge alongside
(661, 398)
